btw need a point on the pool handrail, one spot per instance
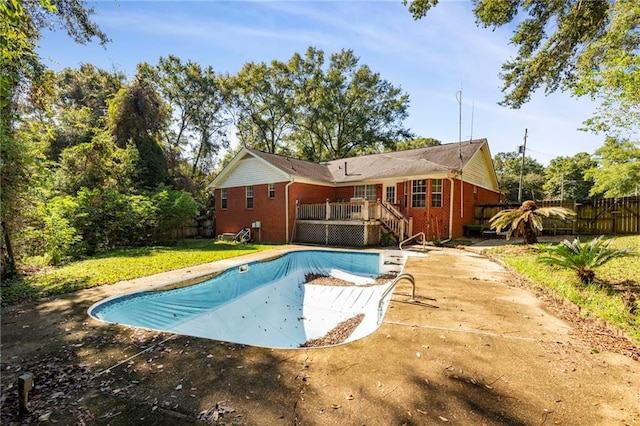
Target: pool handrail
(404, 275)
(413, 237)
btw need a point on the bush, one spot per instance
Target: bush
(583, 257)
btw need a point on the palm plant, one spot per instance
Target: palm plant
(526, 220)
(583, 258)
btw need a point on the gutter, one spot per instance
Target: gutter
(286, 209)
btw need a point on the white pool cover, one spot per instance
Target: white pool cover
(263, 304)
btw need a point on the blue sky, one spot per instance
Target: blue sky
(430, 59)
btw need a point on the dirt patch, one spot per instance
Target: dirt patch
(600, 335)
(337, 334)
(318, 279)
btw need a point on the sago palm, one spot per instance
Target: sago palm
(583, 258)
(526, 220)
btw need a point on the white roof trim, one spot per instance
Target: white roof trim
(229, 168)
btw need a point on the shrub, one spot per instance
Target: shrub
(526, 220)
(581, 257)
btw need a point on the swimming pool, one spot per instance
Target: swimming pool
(265, 303)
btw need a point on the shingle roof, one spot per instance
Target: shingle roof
(412, 162)
(296, 167)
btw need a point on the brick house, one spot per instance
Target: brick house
(355, 201)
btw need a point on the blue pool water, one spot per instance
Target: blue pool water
(262, 303)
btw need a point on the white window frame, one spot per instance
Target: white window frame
(248, 192)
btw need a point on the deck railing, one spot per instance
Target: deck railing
(352, 210)
(361, 210)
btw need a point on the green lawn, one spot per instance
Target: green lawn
(117, 265)
(602, 299)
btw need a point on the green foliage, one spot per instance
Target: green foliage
(20, 73)
(197, 102)
(78, 106)
(617, 173)
(508, 166)
(526, 220)
(596, 301)
(587, 47)
(61, 239)
(415, 143)
(317, 111)
(387, 240)
(565, 177)
(96, 164)
(117, 265)
(344, 109)
(583, 257)
(137, 115)
(264, 102)
(173, 208)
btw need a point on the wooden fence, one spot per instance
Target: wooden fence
(593, 217)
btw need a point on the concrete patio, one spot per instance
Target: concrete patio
(479, 348)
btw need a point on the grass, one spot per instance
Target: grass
(117, 265)
(601, 299)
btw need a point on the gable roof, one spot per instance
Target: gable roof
(295, 167)
(439, 159)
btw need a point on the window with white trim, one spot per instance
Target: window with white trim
(272, 190)
(390, 195)
(223, 198)
(366, 191)
(249, 196)
(418, 193)
(405, 193)
(436, 193)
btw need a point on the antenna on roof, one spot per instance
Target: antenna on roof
(459, 98)
(473, 107)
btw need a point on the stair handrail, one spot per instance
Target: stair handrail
(424, 240)
(387, 205)
(404, 275)
(398, 216)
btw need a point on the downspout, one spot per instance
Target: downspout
(450, 211)
(286, 208)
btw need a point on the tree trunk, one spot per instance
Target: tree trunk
(529, 235)
(8, 265)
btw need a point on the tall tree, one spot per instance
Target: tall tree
(137, 115)
(263, 101)
(508, 166)
(564, 177)
(199, 120)
(20, 29)
(79, 105)
(617, 173)
(344, 109)
(587, 47)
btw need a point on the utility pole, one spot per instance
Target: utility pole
(523, 149)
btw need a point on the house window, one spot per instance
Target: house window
(366, 191)
(390, 195)
(418, 193)
(272, 190)
(436, 193)
(249, 195)
(223, 198)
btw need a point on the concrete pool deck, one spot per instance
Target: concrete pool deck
(478, 349)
